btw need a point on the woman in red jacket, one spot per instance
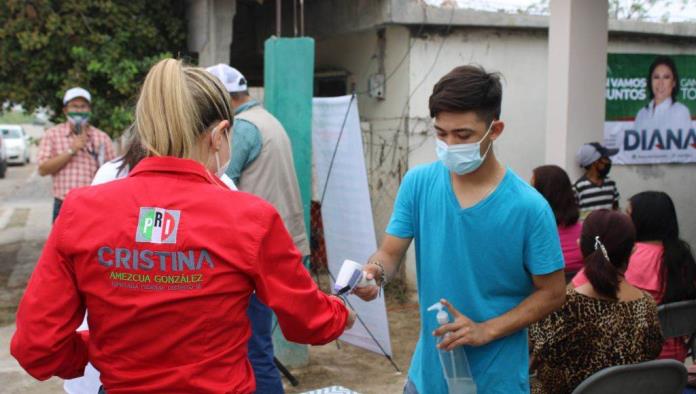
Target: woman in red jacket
(166, 259)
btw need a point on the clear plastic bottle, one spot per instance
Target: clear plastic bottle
(455, 365)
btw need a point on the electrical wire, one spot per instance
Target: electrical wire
(401, 62)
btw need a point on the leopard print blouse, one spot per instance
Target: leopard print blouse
(589, 334)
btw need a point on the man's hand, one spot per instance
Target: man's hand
(389, 254)
(56, 163)
(79, 142)
(369, 293)
(463, 331)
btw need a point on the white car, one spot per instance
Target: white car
(16, 144)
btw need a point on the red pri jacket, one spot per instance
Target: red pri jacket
(165, 260)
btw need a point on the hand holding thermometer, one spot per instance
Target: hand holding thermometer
(351, 276)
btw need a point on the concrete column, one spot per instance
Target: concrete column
(578, 34)
(210, 30)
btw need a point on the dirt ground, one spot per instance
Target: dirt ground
(12, 282)
(360, 370)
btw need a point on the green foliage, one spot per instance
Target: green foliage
(15, 117)
(104, 46)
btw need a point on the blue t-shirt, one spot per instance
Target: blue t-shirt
(481, 260)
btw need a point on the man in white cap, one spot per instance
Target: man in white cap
(595, 190)
(262, 164)
(73, 151)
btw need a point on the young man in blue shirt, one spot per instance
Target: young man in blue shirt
(486, 243)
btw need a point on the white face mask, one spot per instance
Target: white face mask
(228, 182)
(462, 158)
(221, 169)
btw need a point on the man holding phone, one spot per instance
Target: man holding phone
(73, 151)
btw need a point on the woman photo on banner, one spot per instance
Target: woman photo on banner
(663, 112)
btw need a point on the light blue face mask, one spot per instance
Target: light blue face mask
(462, 158)
(78, 119)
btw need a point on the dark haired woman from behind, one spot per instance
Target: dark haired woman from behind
(604, 322)
(661, 264)
(553, 183)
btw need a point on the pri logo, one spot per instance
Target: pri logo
(157, 225)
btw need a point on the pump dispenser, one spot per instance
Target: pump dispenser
(441, 316)
(455, 365)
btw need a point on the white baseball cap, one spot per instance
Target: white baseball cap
(233, 80)
(589, 153)
(74, 93)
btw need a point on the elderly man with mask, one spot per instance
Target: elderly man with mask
(73, 151)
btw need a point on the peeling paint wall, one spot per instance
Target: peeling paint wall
(383, 121)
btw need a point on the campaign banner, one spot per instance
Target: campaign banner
(650, 100)
(346, 210)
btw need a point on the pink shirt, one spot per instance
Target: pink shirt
(569, 244)
(643, 270)
(81, 168)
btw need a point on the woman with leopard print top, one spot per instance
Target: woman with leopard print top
(603, 323)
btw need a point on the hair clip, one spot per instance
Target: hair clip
(598, 245)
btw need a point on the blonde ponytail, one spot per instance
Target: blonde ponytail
(176, 105)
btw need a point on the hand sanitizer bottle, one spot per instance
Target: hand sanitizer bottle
(455, 365)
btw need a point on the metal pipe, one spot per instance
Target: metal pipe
(278, 15)
(294, 16)
(302, 18)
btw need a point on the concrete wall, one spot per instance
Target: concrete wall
(521, 56)
(577, 64)
(384, 134)
(210, 30)
(396, 130)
